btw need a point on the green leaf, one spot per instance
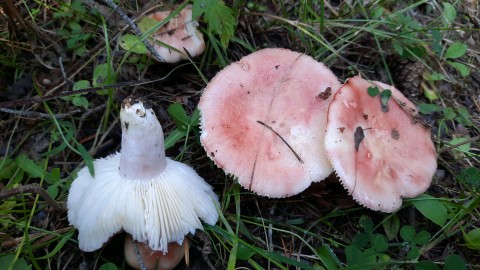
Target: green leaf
(195, 118)
(147, 23)
(88, 159)
(435, 77)
(463, 117)
(328, 258)
(456, 50)
(177, 112)
(108, 266)
(103, 74)
(33, 169)
(373, 91)
(202, 6)
(70, 133)
(454, 262)
(430, 94)
(9, 261)
(132, 43)
(380, 243)
(52, 190)
(221, 21)
(432, 208)
(356, 257)
(391, 226)
(472, 239)
(470, 176)
(366, 223)
(407, 233)
(461, 68)
(8, 167)
(384, 98)
(425, 108)
(361, 240)
(465, 147)
(426, 265)
(413, 253)
(449, 14)
(80, 101)
(422, 238)
(244, 252)
(82, 84)
(174, 136)
(449, 113)
(398, 47)
(57, 247)
(437, 38)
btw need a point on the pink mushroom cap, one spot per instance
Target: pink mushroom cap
(263, 121)
(394, 158)
(181, 33)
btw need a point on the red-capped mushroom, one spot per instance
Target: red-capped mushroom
(153, 259)
(180, 33)
(378, 148)
(263, 120)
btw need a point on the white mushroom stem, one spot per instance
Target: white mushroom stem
(143, 154)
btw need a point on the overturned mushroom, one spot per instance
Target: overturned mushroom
(263, 120)
(377, 145)
(177, 36)
(153, 198)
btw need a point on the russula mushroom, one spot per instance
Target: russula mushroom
(155, 199)
(153, 259)
(380, 154)
(263, 120)
(180, 32)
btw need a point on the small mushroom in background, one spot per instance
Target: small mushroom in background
(263, 120)
(180, 33)
(153, 259)
(153, 198)
(378, 146)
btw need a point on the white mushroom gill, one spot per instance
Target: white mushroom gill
(152, 197)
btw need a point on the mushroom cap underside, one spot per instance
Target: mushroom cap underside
(156, 211)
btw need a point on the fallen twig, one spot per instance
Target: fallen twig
(132, 25)
(31, 188)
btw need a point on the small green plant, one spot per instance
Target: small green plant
(385, 95)
(368, 249)
(73, 15)
(219, 18)
(78, 99)
(184, 124)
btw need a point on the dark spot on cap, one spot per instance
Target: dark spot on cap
(358, 137)
(212, 154)
(395, 134)
(277, 66)
(325, 94)
(365, 116)
(126, 125)
(341, 129)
